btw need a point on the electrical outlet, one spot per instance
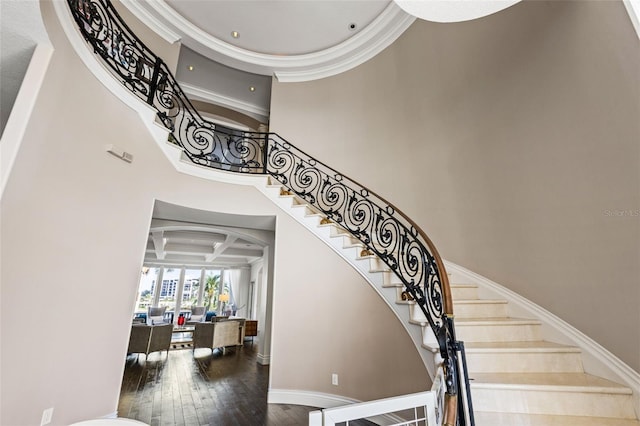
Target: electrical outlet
(47, 415)
(334, 379)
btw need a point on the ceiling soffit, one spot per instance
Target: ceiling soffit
(183, 236)
(196, 245)
(453, 10)
(365, 43)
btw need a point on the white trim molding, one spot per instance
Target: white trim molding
(264, 359)
(225, 101)
(633, 9)
(154, 24)
(453, 10)
(113, 415)
(308, 398)
(364, 45)
(22, 109)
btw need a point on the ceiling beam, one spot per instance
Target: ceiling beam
(158, 243)
(197, 264)
(204, 237)
(221, 248)
(177, 248)
(242, 252)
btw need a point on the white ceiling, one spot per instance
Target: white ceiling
(176, 243)
(182, 236)
(293, 40)
(277, 27)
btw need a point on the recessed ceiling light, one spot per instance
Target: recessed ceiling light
(353, 26)
(235, 34)
(190, 67)
(252, 89)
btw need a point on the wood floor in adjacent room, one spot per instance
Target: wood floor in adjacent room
(201, 388)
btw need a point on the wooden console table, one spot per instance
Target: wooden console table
(182, 337)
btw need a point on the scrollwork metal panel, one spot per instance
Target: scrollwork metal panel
(367, 217)
(386, 231)
(149, 78)
(128, 59)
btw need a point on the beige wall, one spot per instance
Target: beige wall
(313, 298)
(513, 140)
(74, 223)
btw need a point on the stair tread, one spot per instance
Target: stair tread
(354, 244)
(479, 301)
(519, 346)
(490, 382)
(392, 285)
(496, 321)
(582, 382)
(510, 419)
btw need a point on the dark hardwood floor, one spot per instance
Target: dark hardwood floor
(203, 388)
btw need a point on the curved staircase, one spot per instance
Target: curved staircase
(517, 377)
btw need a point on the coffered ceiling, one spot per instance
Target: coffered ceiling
(197, 245)
(182, 236)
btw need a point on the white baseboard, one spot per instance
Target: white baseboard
(264, 359)
(310, 399)
(113, 415)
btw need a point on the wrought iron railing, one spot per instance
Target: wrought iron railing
(385, 230)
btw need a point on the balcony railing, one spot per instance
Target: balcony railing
(382, 227)
(417, 409)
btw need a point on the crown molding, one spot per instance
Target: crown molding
(633, 9)
(364, 45)
(446, 11)
(359, 51)
(136, 8)
(225, 101)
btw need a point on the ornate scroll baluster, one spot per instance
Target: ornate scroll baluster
(385, 230)
(387, 233)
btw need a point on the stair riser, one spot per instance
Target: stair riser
(416, 314)
(501, 398)
(391, 279)
(480, 310)
(464, 293)
(527, 362)
(511, 419)
(573, 403)
(498, 333)
(399, 294)
(376, 264)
